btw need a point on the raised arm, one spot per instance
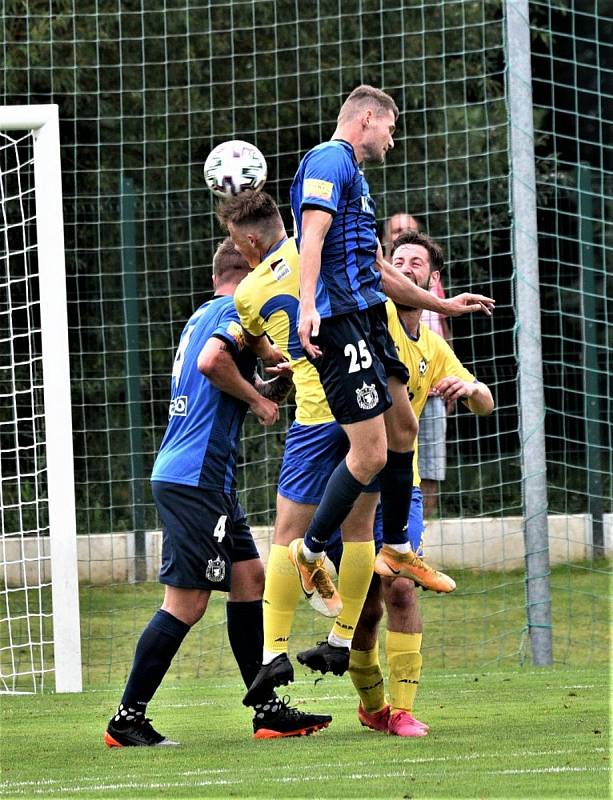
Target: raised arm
(216, 363)
(315, 226)
(403, 291)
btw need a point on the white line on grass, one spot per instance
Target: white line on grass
(354, 776)
(7, 785)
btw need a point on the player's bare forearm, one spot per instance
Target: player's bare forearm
(315, 225)
(263, 348)
(476, 396)
(310, 267)
(481, 401)
(406, 293)
(216, 363)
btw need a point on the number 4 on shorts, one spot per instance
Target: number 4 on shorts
(220, 528)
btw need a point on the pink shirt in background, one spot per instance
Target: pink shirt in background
(432, 319)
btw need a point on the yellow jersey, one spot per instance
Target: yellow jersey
(428, 358)
(267, 301)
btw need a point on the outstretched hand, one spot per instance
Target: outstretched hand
(467, 303)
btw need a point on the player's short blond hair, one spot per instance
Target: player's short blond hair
(367, 96)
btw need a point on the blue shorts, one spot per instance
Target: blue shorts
(205, 532)
(416, 529)
(312, 453)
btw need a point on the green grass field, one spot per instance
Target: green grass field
(482, 624)
(498, 729)
(494, 734)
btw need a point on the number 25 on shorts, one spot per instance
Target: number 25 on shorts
(359, 357)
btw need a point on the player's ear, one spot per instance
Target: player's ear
(435, 277)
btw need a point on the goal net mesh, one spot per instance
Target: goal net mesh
(144, 95)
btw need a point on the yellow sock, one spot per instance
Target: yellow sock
(365, 672)
(281, 595)
(404, 668)
(354, 577)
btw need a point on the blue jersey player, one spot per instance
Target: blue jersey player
(342, 325)
(207, 544)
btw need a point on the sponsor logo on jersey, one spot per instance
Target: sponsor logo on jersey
(367, 396)
(368, 205)
(280, 269)
(423, 366)
(316, 188)
(216, 570)
(178, 406)
(237, 333)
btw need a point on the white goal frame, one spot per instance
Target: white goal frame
(43, 122)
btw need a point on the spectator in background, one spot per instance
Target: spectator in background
(394, 226)
(432, 447)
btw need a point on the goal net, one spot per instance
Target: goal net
(146, 92)
(39, 611)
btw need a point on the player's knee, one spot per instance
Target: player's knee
(200, 606)
(189, 607)
(365, 463)
(400, 596)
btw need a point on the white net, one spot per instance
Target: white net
(25, 596)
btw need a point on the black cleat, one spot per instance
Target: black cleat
(135, 733)
(278, 672)
(288, 722)
(325, 657)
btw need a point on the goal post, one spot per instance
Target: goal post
(42, 121)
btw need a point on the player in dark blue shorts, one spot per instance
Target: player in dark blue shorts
(207, 544)
(342, 328)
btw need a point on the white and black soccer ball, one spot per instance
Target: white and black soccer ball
(234, 166)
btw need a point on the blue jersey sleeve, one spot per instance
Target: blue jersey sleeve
(327, 170)
(229, 329)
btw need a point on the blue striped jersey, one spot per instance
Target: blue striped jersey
(330, 179)
(201, 442)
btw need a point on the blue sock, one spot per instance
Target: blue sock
(342, 490)
(396, 482)
(155, 650)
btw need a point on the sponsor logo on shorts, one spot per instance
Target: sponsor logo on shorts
(367, 396)
(316, 188)
(178, 406)
(216, 570)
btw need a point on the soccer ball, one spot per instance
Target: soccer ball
(234, 166)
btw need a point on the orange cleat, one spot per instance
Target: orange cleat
(375, 720)
(314, 577)
(391, 564)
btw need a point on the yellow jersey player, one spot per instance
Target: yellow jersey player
(433, 366)
(267, 303)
